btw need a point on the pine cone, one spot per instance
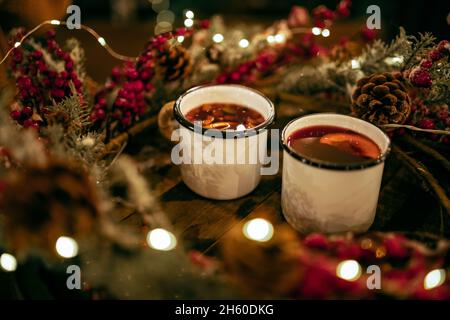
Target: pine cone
(43, 203)
(174, 63)
(381, 98)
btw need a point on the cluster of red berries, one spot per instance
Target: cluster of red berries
(430, 117)
(403, 263)
(133, 82)
(324, 17)
(37, 84)
(247, 71)
(420, 76)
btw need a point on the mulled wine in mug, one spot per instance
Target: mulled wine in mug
(332, 170)
(222, 139)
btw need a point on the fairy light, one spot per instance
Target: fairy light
(102, 41)
(434, 279)
(349, 270)
(66, 247)
(217, 38)
(180, 39)
(55, 22)
(355, 64)
(188, 23)
(189, 14)
(279, 38)
(316, 31)
(325, 33)
(244, 43)
(270, 39)
(258, 230)
(8, 262)
(161, 239)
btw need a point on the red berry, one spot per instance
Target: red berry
(204, 24)
(426, 64)
(316, 240)
(420, 77)
(131, 73)
(434, 55)
(426, 124)
(444, 46)
(27, 112)
(100, 114)
(69, 65)
(15, 114)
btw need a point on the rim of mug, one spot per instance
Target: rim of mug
(232, 134)
(331, 165)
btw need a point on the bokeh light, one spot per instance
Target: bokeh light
(349, 270)
(66, 247)
(434, 279)
(217, 38)
(161, 239)
(258, 230)
(8, 262)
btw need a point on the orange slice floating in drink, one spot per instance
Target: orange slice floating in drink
(352, 143)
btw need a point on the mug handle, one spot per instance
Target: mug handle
(166, 120)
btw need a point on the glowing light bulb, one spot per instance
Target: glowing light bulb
(355, 64)
(180, 39)
(217, 38)
(349, 270)
(102, 41)
(17, 44)
(434, 279)
(270, 39)
(8, 262)
(279, 38)
(55, 22)
(188, 23)
(161, 239)
(244, 43)
(66, 247)
(325, 33)
(189, 14)
(316, 31)
(258, 230)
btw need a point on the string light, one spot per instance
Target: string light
(316, 31)
(66, 247)
(180, 39)
(279, 38)
(325, 33)
(102, 41)
(161, 239)
(189, 14)
(258, 230)
(243, 43)
(349, 270)
(8, 262)
(217, 38)
(270, 39)
(188, 23)
(88, 29)
(355, 64)
(434, 279)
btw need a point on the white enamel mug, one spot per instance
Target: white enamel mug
(328, 197)
(234, 168)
